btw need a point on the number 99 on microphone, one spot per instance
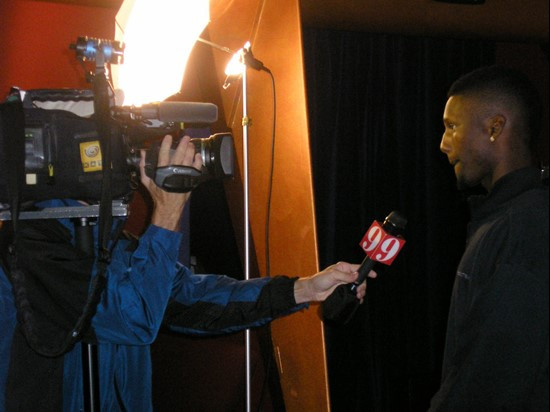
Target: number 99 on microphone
(380, 246)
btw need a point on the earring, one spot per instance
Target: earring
(492, 139)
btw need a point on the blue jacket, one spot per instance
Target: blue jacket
(147, 288)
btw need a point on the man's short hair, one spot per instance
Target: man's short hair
(504, 84)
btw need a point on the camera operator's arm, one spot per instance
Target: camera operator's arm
(140, 276)
(214, 304)
(169, 206)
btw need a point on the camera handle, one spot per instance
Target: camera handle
(179, 179)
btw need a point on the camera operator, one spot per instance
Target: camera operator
(146, 288)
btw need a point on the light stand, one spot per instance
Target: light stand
(245, 124)
(238, 66)
(246, 59)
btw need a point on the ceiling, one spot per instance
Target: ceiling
(522, 20)
(506, 20)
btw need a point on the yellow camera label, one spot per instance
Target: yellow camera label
(90, 155)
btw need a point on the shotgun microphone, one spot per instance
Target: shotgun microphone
(186, 112)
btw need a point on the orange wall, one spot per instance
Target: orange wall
(274, 29)
(35, 38)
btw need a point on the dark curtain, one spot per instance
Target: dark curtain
(375, 112)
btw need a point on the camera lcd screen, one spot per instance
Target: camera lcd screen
(34, 149)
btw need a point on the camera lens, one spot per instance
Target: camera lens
(217, 154)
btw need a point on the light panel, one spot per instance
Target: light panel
(158, 36)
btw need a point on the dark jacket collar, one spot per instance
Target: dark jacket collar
(507, 187)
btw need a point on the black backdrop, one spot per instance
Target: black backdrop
(375, 111)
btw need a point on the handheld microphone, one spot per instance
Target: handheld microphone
(381, 243)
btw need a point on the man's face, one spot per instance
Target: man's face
(466, 142)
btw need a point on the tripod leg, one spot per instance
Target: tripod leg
(90, 377)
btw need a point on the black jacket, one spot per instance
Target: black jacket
(496, 352)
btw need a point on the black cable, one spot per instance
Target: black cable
(256, 64)
(270, 183)
(269, 340)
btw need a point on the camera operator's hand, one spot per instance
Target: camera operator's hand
(169, 206)
(319, 286)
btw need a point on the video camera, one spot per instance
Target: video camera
(50, 143)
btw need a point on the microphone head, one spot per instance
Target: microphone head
(396, 220)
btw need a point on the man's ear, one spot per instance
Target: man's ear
(496, 126)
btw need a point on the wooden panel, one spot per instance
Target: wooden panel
(274, 29)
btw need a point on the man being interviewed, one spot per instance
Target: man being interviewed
(496, 351)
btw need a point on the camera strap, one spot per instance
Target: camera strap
(12, 124)
(102, 114)
(54, 291)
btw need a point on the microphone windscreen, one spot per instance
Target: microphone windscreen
(187, 112)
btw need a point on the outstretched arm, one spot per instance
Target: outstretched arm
(213, 304)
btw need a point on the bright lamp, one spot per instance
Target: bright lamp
(158, 36)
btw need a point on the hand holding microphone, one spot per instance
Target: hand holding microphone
(381, 243)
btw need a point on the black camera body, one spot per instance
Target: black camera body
(62, 158)
(63, 155)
